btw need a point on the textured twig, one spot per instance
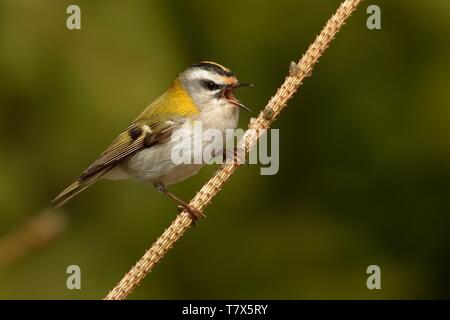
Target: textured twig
(297, 73)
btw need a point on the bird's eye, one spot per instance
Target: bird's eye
(211, 85)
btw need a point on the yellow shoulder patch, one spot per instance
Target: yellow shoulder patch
(174, 102)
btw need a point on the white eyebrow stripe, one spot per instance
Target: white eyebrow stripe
(204, 74)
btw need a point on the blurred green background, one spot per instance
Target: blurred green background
(364, 158)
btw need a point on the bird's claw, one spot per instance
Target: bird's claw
(194, 213)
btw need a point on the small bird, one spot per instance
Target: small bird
(203, 92)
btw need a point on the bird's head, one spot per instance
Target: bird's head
(211, 85)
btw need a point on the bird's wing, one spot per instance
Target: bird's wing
(138, 136)
(154, 125)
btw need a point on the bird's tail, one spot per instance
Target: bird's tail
(78, 186)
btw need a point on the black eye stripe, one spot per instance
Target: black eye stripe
(211, 85)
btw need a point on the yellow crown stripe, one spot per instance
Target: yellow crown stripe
(216, 64)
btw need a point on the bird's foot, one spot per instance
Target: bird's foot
(194, 213)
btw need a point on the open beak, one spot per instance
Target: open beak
(228, 93)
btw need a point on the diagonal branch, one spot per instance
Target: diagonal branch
(297, 73)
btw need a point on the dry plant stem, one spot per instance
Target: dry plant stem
(297, 73)
(36, 233)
